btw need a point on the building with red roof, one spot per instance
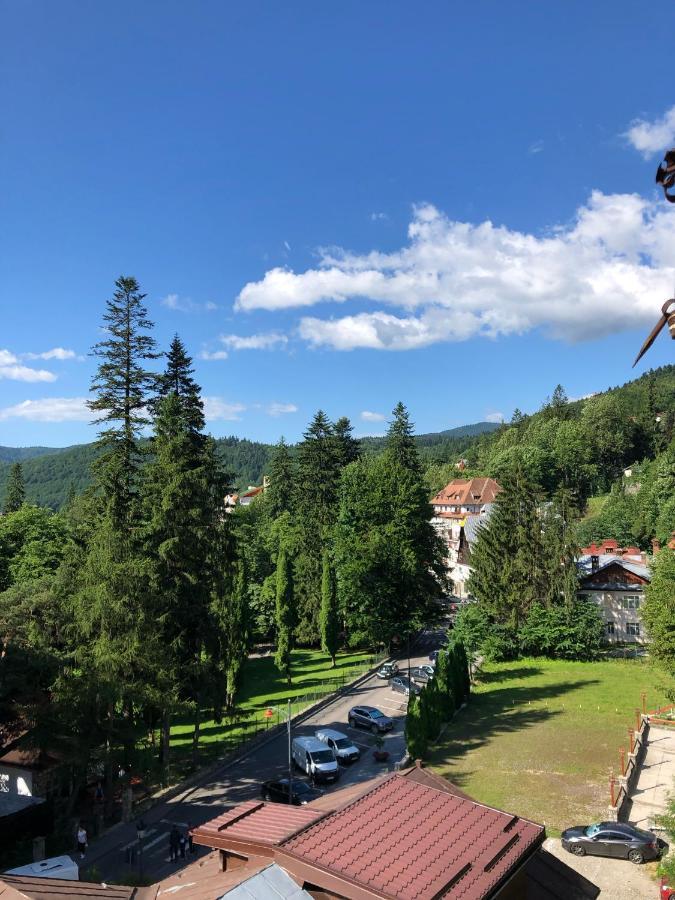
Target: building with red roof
(410, 835)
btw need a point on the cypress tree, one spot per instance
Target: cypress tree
(415, 736)
(15, 495)
(444, 683)
(238, 632)
(329, 620)
(284, 614)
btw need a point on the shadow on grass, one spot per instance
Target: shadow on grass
(495, 713)
(509, 674)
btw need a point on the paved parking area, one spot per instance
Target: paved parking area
(617, 879)
(241, 781)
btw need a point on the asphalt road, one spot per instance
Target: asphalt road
(242, 780)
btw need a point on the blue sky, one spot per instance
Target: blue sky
(305, 193)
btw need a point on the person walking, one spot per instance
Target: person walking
(182, 843)
(81, 840)
(174, 843)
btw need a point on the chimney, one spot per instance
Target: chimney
(656, 546)
(595, 563)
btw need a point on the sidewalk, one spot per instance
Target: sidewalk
(656, 779)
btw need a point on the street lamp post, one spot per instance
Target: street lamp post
(290, 758)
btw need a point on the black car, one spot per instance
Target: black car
(369, 717)
(277, 791)
(403, 685)
(422, 673)
(612, 839)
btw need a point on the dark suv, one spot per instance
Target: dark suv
(404, 685)
(369, 717)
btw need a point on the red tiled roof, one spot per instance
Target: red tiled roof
(256, 822)
(33, 888)
(407, 840)
(204, 879)
(462, 492)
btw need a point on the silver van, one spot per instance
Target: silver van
(315, 759)
(340, 744)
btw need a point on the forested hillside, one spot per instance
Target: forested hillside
(51, 477)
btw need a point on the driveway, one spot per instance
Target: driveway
(617, 879)
(241, 780)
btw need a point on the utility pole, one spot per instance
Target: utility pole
(290, 758)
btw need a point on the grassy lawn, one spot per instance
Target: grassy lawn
(262, 688)
(539, 737)
(594, 505)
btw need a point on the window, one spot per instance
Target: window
(631, 601)
(609, 626)
(633, 629)
(4, 783)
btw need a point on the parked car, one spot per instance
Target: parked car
(612, 839)
(343, 748)
(404, 685)
(277, 792)
(315, 759)
(387, 670)
(422, 673)
(371, 718)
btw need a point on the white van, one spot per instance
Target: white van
(61, 867)
(315, 759)
(344, 749)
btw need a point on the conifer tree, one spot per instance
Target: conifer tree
(121, 387)
(348, 448)
(401, 445)
(507, 561)
(329, 619)
(285, 614)
(182, 496)
(415, 736)
(110, 608)
(280, 494)
(238, 622)
(658, 611)
(15, 495)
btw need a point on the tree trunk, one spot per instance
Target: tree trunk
(165, 742)
(195, 736)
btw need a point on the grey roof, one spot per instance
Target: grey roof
(474, 523)
(585, 566)
(270, 884)
(13, 803)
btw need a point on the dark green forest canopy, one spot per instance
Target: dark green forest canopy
(553, 442)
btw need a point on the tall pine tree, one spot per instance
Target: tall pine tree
(15, 495)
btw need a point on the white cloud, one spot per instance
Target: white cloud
(494, 417)
(378, 216)
(56, 353)
(11, 369)
(652, 137)
(287, 246)
(49, 409)
(603, 273)
(281, 409)
(216, 408)
(253, 341)
(217, 354)
(368, 416)
(186, 304)
(536, 147)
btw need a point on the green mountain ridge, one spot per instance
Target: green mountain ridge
(51, 473)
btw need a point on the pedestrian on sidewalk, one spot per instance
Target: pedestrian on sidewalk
(174, 841)
(191, 847)
(81, 840)
(182, 843)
